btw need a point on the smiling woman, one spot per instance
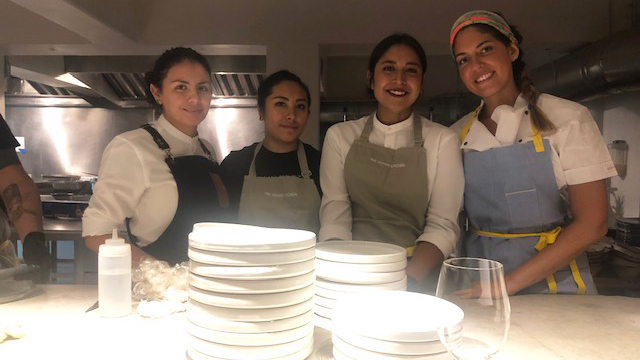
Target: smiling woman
(394, 176)
(274, 182)
(161, 179)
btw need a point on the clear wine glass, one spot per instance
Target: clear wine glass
(477, 286)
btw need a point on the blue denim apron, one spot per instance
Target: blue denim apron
(514, 209)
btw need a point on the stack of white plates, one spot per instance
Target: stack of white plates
(346, 267)
(385, 325)
(250, 292)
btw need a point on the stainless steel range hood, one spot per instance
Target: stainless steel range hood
(118, 81)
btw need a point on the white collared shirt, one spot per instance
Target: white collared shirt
(135, 182)
(445, 179)
(579, 154)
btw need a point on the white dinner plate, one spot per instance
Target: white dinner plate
(251, 272)
(252, 301)
(250, 259)
(322, 322)
(361, 278)
(246, 238)
(244, 339)
(349, 351)
(252, 286)
(337, 295)
(323, 266)
(413, 317)
(197, 308)
(248, 327)
(248, 352)
(353, 288)
(394, 347)
(323, 311)
(360, 252)
(300, 355)
(324, 302)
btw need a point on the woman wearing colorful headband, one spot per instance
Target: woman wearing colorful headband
(535, 166)
(394, 176)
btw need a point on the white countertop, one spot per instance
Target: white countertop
(542, 327)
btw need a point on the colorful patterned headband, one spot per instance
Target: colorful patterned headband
(482, 17)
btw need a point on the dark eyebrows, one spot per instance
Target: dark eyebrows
(477, 46)
(393, 63)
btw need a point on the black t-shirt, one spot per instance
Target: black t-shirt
(236, 165)
(8, 144)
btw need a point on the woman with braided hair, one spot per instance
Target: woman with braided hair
(535, 166)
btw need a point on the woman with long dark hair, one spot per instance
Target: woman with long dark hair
(535, 166)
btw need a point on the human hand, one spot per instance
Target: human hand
(35, 252)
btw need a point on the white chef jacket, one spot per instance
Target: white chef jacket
(445, 177)
(579, 154)
(135, 182)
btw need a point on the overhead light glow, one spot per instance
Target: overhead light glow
(70, 79)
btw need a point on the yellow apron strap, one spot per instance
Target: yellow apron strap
(545, 238)
(410, 251)
(467, 126)
(537, 139)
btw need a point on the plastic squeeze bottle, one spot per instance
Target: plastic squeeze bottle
(114, 277)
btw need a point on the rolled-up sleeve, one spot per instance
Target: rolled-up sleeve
(335, 210)
(446, 194)
(583, 153)
(121, 183)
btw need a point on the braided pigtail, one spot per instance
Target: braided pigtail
(529, 92)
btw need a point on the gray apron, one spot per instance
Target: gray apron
(387, 189)
(290, 202)
(511, 191)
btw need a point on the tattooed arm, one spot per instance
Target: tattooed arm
(21, 200)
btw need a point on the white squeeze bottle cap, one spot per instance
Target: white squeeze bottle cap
(114, 277)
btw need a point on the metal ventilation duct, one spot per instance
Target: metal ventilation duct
(611, 65)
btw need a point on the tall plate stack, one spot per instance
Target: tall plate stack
(390, 325)
(347, 267)
(250, 293)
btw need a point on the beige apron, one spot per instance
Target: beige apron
(290, 202)
(387, 188)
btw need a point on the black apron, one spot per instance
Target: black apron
(201, 197)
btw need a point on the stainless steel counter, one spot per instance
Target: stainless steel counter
(542, 327)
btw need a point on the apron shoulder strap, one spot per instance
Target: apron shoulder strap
(252, 167)
(302, 161)
(417, 131)
(368, 127)
(465, 130)
(206, 151)
(159, 140)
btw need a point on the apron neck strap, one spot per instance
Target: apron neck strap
(537, 137)
(302, 161)
(159, 140)
(206, 151)
(417, 130)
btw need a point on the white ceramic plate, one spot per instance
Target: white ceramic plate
(413, 317)
(300, 355)
(249, 352)
(243, 339)
(323, 266)
(352, 288)
(336, 295)
(324, 302)
(251, 272)
(323, 311)
(342, 348)
(246, 238)
(360, 252)
(393, 347)
(197, 308)
(252, 301)
(250, 259)
(361, 278)
(248, 327)
(251, 286)
(322, 322)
